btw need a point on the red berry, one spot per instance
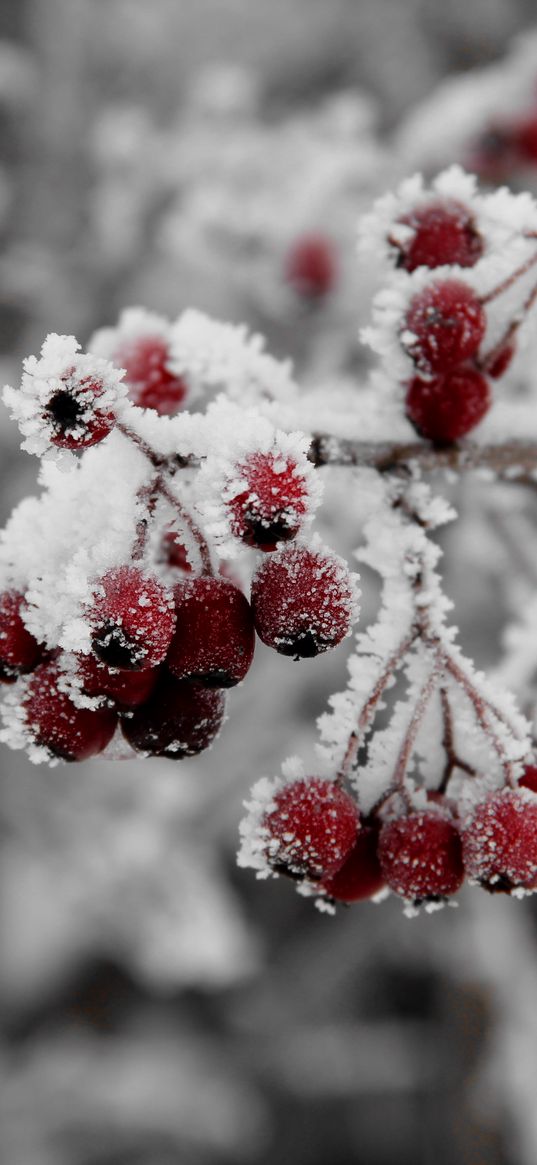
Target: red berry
(312, 829)
(302, 601)
(500, 842)
(444, 232)
(524, 137)
(19, 651)
(444, 326)
(360, 876)
(311, 267)
(493, 155)
(173, 551)
(73, 414)
(529, 778)
(150, 382)
(214, 640)
(421, 856)
(132, 619)
(179, 719)
(126, 689)
(448, 407)
(273, 503)
(55, 723)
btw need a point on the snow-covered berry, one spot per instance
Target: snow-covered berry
(311, 266)
(214, 638)
(421, 856)
(446, 408)
(500, 841)
(19, 650)
(311, 829)
(180, 719)
(123, 689)
(272, 501)
(150, 382)
(132, 619)
(53, 722)
(303, 600)
(444, 326)
(361, 875)
(443, 232)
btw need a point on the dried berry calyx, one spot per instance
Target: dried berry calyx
(311, 829)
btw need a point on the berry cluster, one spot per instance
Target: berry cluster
(442, 323)
(124, 621)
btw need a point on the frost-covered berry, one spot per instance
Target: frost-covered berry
(444, 232)
(67, 399)
(311, 830)
(528, 779)
(150, 382)
(443, 326)
(360, 876)
(303, 600)
(500, 842)
(180, 719)
(52, 721)
(132, 619)
(272, 501)
(126, 689)
(215, 638)
(421, 856)
(446, 408)
(19, 651)
(311, 266)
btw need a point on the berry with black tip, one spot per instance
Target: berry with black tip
(73, 415)
(360, 876)
(132, 619)
(444, 232)
(311, 267)
(446, 408)
(20, 652)
(214, 640)
(421, 856)
(500, 842)
(151, 383)
(303, 601)
(54, 722)
(272, 502)
(444, 326)
(179, 719)
(311, 830)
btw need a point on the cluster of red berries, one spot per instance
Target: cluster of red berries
(445, 325)
(314, 832)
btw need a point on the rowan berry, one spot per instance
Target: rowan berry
(446, 408)
(132, 619)
(214, 638)
(303, 601)
(500, 841)
(421, 857)
(444, 326)
(54, 722)
(444, 232)
(312, 828)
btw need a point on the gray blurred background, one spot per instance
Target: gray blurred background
(160, 1007)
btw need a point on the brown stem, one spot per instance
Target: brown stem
(482, 711)
(148, 495)
(172, 462)
(369, 708)
(187, 520)
(453, 761)
(487, 362)
(516, 460)
(511, 279)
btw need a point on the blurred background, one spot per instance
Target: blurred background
(159, 1006)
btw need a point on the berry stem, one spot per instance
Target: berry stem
(187, 520)
(515, 461)
(510, 332)
(511, 279)
(482, 711)
(453, 761)
(368, 710)
(147, 496)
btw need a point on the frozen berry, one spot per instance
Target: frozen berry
(446, 408)
(421, 856)
(54, 722)
(132, 619)
(303, 601)
(500, 841)
(214, 639)
(312, 828)
(126, 689)
(173, 551)
(444, 232)
(528, 779)
(151, 383)
(444, 326)
(311, 267)
(19, 651)
(271, 502)
(360, 876)
(179, 719)
(73, 414)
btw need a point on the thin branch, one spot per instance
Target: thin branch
(514, 460)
